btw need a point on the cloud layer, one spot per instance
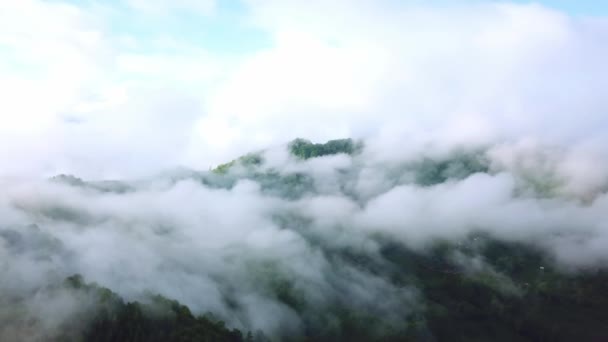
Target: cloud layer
(88, 97)
(273, 247)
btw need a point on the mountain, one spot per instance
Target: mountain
(348, 285)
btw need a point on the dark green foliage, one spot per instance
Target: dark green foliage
(304, 149)
(455, 303)
(458, 166)
(461, 306)
(101, 186)
(301, 148)
(247, 161)
(159, 319)
(288, 186)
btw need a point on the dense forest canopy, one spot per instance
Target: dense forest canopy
(308, 242)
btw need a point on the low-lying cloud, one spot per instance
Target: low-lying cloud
(251, 251)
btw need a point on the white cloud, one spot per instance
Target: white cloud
(470, 73)
(77, 99)
(403, 74)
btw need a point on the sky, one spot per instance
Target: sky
(115, 89)
(585, 7)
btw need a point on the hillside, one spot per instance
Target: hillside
(347, 284)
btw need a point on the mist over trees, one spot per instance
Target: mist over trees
(311, 242)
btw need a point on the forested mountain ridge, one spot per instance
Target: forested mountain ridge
(446, 280)
(299, 148)
(517, 300)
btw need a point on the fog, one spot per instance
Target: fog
(484, 119)
(229, 243)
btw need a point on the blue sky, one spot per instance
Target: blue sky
(217, 31)
(576, 7)
(228, 30)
